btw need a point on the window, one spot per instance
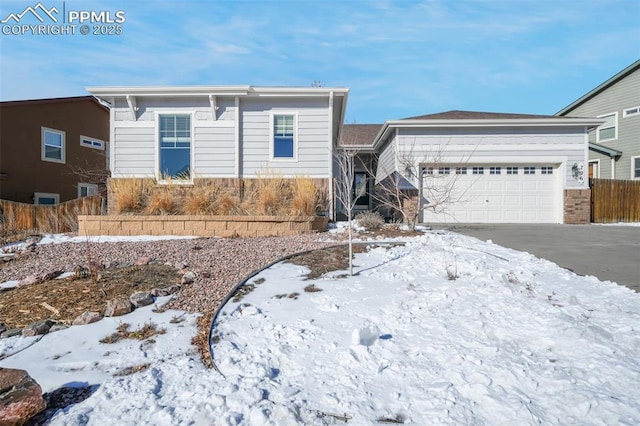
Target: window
(635, 167)
(546, 170)
(175, 146)
(512, 170)
(284, 136)
(461, 170)
(87, 189)
(91, 143)
(444, 170)
(52, 145)
(360, 189)
(529, 170)
(495, 170)
(428, 171)
(608, 130)
(478, 170)
(631, 111)
(46, 198)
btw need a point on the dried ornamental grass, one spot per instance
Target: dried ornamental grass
(129, 193)
(161, 202)
(305, 197)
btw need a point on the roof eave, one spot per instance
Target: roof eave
(153, 91)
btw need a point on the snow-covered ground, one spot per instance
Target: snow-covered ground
(443, 330)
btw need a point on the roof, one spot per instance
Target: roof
(601, 88)
(25, 102)
(359, 134)
(473, 115)
(613, 153)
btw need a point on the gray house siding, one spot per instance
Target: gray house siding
(313, 140)
(621, 95)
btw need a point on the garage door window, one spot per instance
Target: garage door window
(495, 170)
(546, 170)
(428, 171)
(529, 170)
(478, 170)
(512, 170)
(461, 170)
(444, 170)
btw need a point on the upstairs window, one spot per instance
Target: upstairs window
(635, 167)
(175, 146)
(91, 143)
(284, 136)
(53, 145)
(631, 111)
(608, 130)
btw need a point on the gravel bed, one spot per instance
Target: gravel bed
(219, 263)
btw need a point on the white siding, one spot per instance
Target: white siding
(133, 151)
(386, 161)
(214, 153)
(313, 139)
(561, 147)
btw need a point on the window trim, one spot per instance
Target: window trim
(88, 186)
(529, 170)
(272, 115)
(43, 153)
(92, 140)
(626, 113)
(37, 195)
(159, 179)
(615, 127)
(513, 170)
(633, 159)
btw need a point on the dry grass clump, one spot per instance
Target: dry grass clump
(130, 194)
(122, 332)
(370, 220)
(161, 201)
(305, 197)
(272, 194)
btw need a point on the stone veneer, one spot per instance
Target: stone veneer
(201, 226)
(577, 206)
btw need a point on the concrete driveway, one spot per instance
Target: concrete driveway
(606, 252)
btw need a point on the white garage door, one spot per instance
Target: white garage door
(492, 194)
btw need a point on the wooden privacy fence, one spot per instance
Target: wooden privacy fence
(20, 217)
(614, 201)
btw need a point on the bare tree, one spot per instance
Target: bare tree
(419, 180)
(94, 171)
(344, 158)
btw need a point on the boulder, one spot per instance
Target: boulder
(87, 317)
(11, 333)
(3, 327)
(50, 275)
(141, 261)
(180, 265)
(31, 279)
(118, 307)
(20, 397)
(165, 291)
(37, 328)
(141, 298)
(57, 327)
(188, 277)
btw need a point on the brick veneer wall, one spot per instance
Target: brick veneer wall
(577, 206)
(201, 226)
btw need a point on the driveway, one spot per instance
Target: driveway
(606, 252)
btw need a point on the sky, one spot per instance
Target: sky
(399, 58)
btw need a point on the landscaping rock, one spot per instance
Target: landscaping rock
(141, 298)
(11, 333)
(118, 307)
(51, 275)
(8, 257)
(20, 397)
(57, 327)
(3, 328)
(141, 261)
(165, 291)
(31, 279)
(188, 277)
(87, 317)
(37, 328)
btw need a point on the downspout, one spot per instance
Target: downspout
(238, 165)
(331, 143)
(613, 167)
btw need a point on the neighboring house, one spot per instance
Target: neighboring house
(506, 168)
(52, 150)
(614, 147)
(224, 132)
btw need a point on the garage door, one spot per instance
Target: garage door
(491, 194)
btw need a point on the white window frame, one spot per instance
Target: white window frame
(529, 170)
(615, 127)
(93, 142)
(461, 170)
(633, 160)
(495, 170)
(630, 112)
(90, 187)
(477, 170)
(597, 163)
(43, 156)
(293, 159)
(546, 170)
(159, 179)
(37, 195)
(513, 170)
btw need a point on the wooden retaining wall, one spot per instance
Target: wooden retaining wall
(201, 226)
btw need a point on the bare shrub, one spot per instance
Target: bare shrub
(305, 197)
(370, 220)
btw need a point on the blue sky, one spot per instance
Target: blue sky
(399, 58)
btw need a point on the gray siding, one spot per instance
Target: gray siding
(386, 161)
(313, 146)
(214, 153)
(528, 145)
(620, 96)
(133, 152)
